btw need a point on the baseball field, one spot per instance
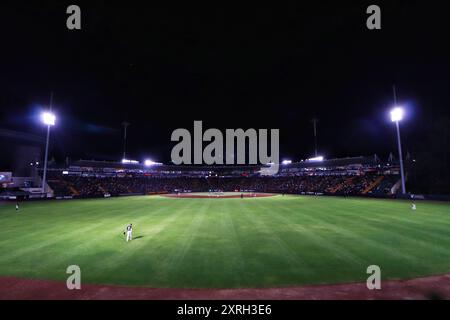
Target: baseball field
(277, 241)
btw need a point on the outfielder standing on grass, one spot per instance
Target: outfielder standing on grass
(413, 204)
(17, 206)
(129, 232)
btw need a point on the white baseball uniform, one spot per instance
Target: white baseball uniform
(129, 233)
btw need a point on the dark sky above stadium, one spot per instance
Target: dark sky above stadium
(161, 68)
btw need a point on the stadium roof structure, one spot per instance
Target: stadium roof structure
(120, 165)
(361, 160)
(336, 162)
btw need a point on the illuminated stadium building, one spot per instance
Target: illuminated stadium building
(358, 176)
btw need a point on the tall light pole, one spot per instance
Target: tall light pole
(397, 116)
(314, 122)
(49, 119)
(125, 126)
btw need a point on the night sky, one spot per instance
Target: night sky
(161, 68)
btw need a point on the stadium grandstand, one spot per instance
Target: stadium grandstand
(356, 176)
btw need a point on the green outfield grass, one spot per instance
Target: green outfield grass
(224, 243)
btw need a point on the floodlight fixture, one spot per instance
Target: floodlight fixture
(48, 118)
(316, 159)
(397, 114)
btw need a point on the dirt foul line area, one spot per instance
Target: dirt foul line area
(436, 287)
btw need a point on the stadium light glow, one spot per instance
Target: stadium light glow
(397, 114)
(151, 163)
(316, 159)
(48, 118)
(286, 162)
(127, 161)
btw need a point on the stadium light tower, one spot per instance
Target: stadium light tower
(49, 119)
(397, 116)
(314, 122)
(125, 127)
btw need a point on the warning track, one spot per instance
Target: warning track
(436, 287)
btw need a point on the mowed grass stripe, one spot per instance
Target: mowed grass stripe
(219, 237)
(267, 253)
(332, 256)
(286, 261)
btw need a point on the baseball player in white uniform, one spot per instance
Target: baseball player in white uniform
(413, 204)
(129, 232)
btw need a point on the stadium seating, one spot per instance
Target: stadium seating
(357, 176)
(78, 186)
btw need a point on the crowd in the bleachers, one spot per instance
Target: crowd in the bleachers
(79, 186)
